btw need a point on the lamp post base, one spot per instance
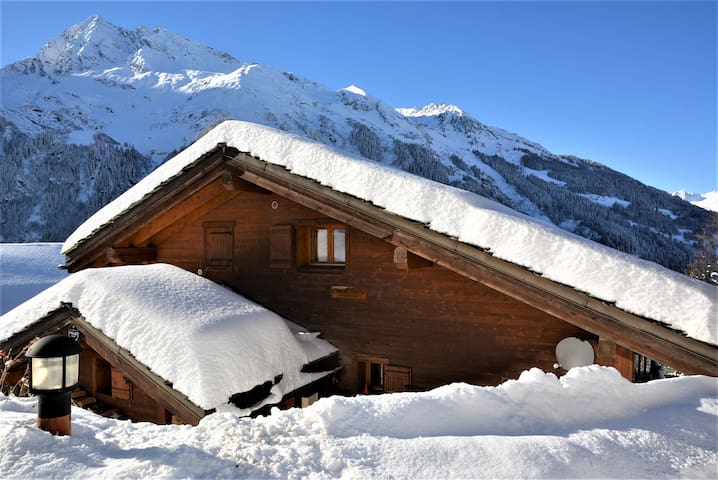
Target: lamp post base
(55, 426)
(53, 412)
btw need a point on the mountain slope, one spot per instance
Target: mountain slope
(100, 105)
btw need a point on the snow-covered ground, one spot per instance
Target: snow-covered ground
(27, 269)
(591, 423)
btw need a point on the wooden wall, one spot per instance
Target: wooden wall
(442, 325)
(113, 388)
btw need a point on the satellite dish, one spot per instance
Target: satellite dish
(572, 352)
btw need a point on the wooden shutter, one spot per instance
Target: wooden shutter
(120, 387)
(281, 249)
(219, 244)
(396, 378)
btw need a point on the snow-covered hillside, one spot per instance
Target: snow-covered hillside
(591, 423)
(100, 105)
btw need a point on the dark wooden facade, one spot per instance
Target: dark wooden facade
(410, 306)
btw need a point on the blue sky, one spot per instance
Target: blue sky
(628, 84)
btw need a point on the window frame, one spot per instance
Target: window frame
(305, 246)
(313, 245)
(367, 366)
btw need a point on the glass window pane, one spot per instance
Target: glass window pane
(340, 255)
(320, 248)
(72, 370)
(47, 373)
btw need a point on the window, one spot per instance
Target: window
(371, 375)
(308, 244)
(321, 245)
(328, 245)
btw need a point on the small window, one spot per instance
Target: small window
(371, 375)
(328, 245)
(322, 245)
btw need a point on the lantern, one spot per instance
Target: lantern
(54, 373)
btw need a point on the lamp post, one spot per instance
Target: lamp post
(54, 373)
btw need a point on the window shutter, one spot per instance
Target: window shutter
(281, 250)
(219, 245)
(120, 387)
(397, 378)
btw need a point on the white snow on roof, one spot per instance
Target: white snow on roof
(637, 286)
(207, 340)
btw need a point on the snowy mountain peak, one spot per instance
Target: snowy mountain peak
(88, 44)
(96, 44)
(707, 201)
(354, 89)
(431, 110)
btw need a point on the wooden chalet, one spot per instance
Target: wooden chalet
(408, 308)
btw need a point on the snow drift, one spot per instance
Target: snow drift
(591, 423)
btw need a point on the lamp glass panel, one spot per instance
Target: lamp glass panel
(72, 369)
(47, 373)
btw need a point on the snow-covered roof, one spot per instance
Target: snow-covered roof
(207, 340)
(634, 285)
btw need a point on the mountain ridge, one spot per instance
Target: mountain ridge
(99, 94)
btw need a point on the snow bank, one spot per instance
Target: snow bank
(208, 341)
(637, 286)
(591, 423)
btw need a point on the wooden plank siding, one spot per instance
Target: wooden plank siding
(444, 326)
